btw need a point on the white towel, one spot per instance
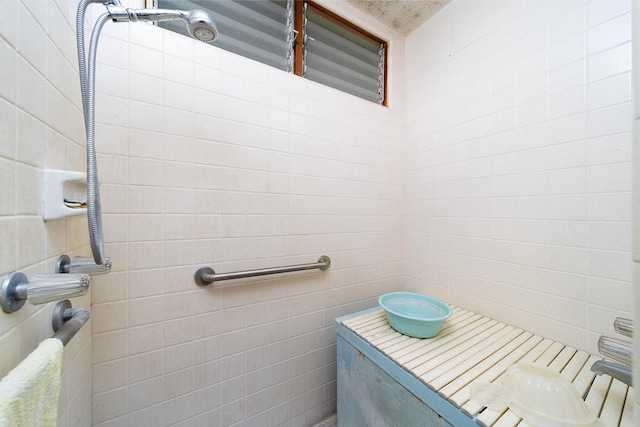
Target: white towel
(29, 393)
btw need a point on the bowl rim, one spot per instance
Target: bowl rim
(413, 295)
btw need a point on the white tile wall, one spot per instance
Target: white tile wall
(514, 200)
(519, 166)
(225, 162)
(40, 127)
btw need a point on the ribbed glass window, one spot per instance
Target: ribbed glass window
(321, 46)
(254, 29)
(339, 56)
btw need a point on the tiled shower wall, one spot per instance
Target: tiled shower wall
(210, 159)
(517, 199)
(40, 127)
(518, 161)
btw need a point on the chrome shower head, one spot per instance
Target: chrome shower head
(201, 26)
(199, 22)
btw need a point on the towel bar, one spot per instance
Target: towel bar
(67, 321)
(206, 275)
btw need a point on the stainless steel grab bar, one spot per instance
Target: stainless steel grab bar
(206, 275)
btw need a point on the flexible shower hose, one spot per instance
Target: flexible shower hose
(87, 88)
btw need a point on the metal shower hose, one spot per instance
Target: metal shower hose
(87, 88)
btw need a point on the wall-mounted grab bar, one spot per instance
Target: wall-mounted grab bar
(206, 275)
(67, 321)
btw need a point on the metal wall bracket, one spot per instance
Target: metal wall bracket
(14, 292)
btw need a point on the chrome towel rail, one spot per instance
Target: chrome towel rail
(67, 321)
(206, 275)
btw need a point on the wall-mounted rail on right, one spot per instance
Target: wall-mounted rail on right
(206, 275)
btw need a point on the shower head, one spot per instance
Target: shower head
(199, 22)
(201, 26)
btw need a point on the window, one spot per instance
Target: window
(297, 36)
(341, 55)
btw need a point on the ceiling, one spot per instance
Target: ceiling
(404, 16)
